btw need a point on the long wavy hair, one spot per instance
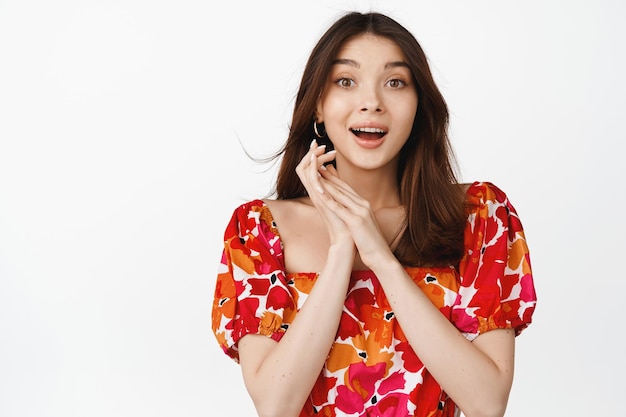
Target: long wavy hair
(432, 233)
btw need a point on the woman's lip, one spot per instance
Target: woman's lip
(368, 143)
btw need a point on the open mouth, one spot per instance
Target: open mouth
(368, 133)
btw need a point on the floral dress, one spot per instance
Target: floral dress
(371, 369)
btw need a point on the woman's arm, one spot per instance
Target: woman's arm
(280, 376)
(476, 375)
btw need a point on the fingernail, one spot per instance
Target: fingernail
(323, 167)
(333, 151)
(313, 142)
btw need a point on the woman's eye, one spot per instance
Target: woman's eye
(345, 82)
(396, 83)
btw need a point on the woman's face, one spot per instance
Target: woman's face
(369, 102)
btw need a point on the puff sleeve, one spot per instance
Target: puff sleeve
(496, 284)
(251, 294)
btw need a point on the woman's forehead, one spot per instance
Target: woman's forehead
(369, 46)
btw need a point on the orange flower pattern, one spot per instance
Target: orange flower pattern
(371, 369)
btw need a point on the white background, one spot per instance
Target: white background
(121, 162)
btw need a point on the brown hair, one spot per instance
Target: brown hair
(429, 190)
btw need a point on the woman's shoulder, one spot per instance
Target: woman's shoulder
(482, 192)
(291, 206)
(272, 212)
(301, 231)
(291, 214)
(487, 202)
(250, 217)
(268, 205)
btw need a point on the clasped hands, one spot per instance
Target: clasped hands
(348, 217)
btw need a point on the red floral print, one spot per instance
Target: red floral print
(371, 369)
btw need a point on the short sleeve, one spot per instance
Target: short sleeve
(496, 284)
(251, 294)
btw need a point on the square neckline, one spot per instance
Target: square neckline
(358, 273)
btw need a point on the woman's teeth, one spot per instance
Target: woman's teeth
(369, 132)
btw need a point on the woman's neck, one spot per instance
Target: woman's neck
(378, 186)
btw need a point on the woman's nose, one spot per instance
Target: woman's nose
(371, 100)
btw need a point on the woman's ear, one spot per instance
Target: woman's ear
(319, 114)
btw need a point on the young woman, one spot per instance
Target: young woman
(374, 284)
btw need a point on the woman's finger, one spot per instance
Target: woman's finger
(305, 162)
(341, 191)
(330, 174)
(314, 175)
(349, 200)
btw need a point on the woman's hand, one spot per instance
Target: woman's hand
(356, 213)
(309, 170)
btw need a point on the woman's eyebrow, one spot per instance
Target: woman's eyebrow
(396, 64)
(345, 61)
